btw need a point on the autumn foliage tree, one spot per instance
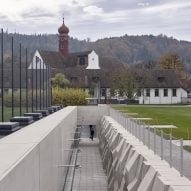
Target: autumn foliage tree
(173, 61)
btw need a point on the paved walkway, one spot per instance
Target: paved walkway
(91, 176)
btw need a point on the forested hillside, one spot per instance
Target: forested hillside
(129, 49)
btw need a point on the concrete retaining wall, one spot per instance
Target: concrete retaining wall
(130, 166)
(91, 115)
(29, 157)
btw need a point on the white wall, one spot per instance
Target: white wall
(91, 115)
(29, 157)
(93, 61)
(161, 99)
(39, 64)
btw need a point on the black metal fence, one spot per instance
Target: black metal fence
(25, 82)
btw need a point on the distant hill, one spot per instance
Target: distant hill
(128, 49)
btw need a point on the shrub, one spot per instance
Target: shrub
(8, 98)
(69, 96)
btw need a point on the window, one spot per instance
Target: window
(112, 92)
(120, 92)
(81, 60)
(103, 92)
(61, 46)
(147, 92)
(174, 92)
(139, 92)
(161, 79)
(165, 92)
(156, 92)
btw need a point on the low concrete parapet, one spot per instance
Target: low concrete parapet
(31, 157)
(131, 166)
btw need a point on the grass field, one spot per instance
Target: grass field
(8, 112)
(180, 116)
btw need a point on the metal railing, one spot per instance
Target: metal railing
(164, 145)
(25, 84)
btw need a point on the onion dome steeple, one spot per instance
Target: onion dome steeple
(63, 29)
(63, 39)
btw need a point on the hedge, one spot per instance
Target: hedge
(69, 96)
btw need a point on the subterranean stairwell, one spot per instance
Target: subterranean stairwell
(89, 176)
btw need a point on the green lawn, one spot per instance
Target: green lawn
(8, 112)
(188, 148)
(179, 116)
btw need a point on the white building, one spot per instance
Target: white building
(163, 87)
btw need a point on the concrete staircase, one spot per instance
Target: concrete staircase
(131, 166)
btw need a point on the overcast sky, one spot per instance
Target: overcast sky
(98, 18)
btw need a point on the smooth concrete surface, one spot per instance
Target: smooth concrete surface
(91, 115)
(91, 176)
(162, 126)
(133, 166)
(30, 157)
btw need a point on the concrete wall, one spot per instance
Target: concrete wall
(91, 115)
(131, 166)
(29, 157)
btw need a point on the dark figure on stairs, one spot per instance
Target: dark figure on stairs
(91, 132)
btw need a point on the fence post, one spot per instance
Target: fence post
(139, 130)
(181, 157)
(143, 134)
(40, 85)
(154, 140)
(148, 136)
(162, 157)
(170, 150)
(20, 78)
(43, 101)
(135, 121)
(124, 121)
(12, 80)
(130, 125)
(26, 56)
(32, 86)
(2, 77)
(36, 83)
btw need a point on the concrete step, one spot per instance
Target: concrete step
(22, 120)
(8, 127)
(56, 107)
(50, 110)
(44, 112)
(36, 116)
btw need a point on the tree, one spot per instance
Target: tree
(60, 81)
(173, 61)
(125, 82)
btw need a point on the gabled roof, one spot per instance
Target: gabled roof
(72, 69)
(160, 79)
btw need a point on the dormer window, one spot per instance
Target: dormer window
(81, 60)
(161, 79)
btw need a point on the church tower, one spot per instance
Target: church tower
(63, 39)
